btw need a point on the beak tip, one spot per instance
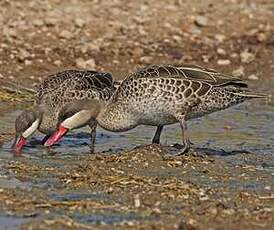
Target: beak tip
(46, 144)
(18, 145)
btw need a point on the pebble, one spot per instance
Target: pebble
(177, 38)
(37, 22)
(146, 59)
(137, 201)
(253, 77)
(23, 54)
(221, 51)
(261, 37)
(28, 62)
(234, 55)
(194, 30)
(79, 22)
(205, 58)
(201, 21)
(137, 52)
(220, 37)
(51, 21)
(57, 62)
(223, 62)
(247, 57)
(240, 72)
(65, 34)
(85, 64)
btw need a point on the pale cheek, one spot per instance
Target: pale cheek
(77, 120)
(31, 129)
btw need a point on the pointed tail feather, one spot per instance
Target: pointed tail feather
(251, 95)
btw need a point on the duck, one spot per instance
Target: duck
(53, 94)
(160, 95)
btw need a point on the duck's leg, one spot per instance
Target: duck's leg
(93, 127)
(185, 138)
(157, 136)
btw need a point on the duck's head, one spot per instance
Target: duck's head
(25, 125)
(74, 115)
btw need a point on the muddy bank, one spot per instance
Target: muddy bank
(142, 188)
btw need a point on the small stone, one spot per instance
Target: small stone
(57, 63)
(223, 62)
(94, 46)
(51, 21)
(261, 37)
(234, 55)
(65, 34)
(253, 77)
(146, 59)
(79, 22)
(194, 30)
(28, 62)
(80, 63)
(220, 37)
(240, 72)
(10, 32)
(247, 57)
(88, 64)
(19, 68)
(38, 22)
(23, 54)
(201, 21)
(137, 201)
(137, 52)
(177, 38)
(205, 58)
(221, 51)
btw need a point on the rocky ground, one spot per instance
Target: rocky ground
(42, 37)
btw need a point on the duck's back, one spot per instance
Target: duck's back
(67, 86)
(75, 84)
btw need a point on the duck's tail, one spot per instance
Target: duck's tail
(250, 95)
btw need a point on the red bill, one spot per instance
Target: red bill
(56, 136)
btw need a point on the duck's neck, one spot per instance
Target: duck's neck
(116, 117)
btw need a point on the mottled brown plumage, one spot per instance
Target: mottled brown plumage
(163, 94)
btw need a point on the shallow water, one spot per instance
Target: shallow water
(12, 222)
(246, 127)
